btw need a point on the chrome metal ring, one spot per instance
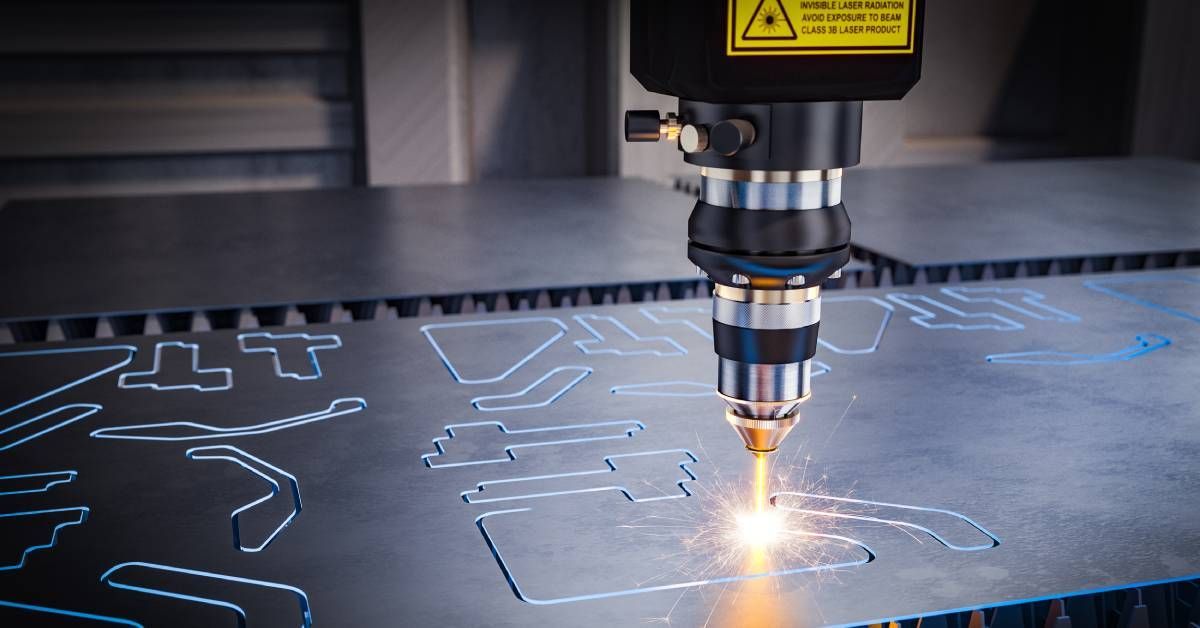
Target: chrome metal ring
(761, 316)
(768, 196)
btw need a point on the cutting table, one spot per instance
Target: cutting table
(992, 444)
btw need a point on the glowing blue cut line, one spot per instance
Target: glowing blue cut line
(612, 466)
(210, 453)
(598, 338)
(583, 372)
(511, 450)
(924, 316)
(195, 349)
(649, 389)
(521, 595)
(85, 410)
(1142, 345)
(1102, 285)
(66, 613)
(995, 541)
(109, 578)
(819, 368)
(334, 342)
(651, 313)
(120, 432)
(1033, 299)
(508, 321)
(65, 477)
(888, 311)
(82, 515)
(132, 351)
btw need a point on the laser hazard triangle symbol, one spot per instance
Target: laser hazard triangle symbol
(769, 21)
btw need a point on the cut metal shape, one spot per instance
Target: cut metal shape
(633, 475)
(190, 430)
(195, 378)
(541, 393)
(201, 587)
(522, 338)
(19, 614)
(665, 389)
(268, 473)
(647, 549)
(1032, 305)
(304, 348)
(698, 319)
(59, 518)
(950, 317)
(622, 340)
(1177, 295)
(950, 526)
(44, 423)
(26, 483)
(1143, 344)
(850, 340)
(475, 443)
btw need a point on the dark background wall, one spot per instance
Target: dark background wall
(110, 97)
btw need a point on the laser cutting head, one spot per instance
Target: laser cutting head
(771, 110)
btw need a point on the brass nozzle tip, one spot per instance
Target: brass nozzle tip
(762, 436)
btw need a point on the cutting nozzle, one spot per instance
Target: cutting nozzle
(762, 435)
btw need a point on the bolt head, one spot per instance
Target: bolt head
(740, 280)
(797, 280)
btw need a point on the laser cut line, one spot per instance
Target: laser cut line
(1029, 297)
(333, 342)
(924, 316)
(480, 522)
(995, 541)
(1103, 286)
(85, 410)
(81, 513)
(239, 458)
(109, 578)
(65, 613)
(599, 339)
(203, 431)
(631, 427)
(888, 312)
(483, 403)
(1142, 345)
(653, 312)
(662, 389)
(122, 381)
(64, 477)
(610, 461)
(426, 329)
(131, 352)
(819, 368)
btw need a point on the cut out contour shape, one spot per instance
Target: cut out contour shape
(190, 430)
(1143, 344)
(949, 317)
(466, 435)
(205, 380)
(65, 518)
(256, 466)
(261, 342)
(549, 485)
(621, 340)
(456, 363)
(539, 394)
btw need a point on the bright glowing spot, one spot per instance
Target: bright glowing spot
(760, 529)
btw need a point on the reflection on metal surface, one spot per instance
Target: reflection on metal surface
(65, 518)
(213, 379)
(253, 465)
(865, 511)
(522, 353)
(496, 403)
(130, 571)
(541, 483)
(599, 343)
(189, 430)
(259, 342)
(1142, 345)
(534, 437)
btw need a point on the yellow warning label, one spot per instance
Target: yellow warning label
(820, 27)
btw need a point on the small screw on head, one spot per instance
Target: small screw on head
(740, 279)
(693, 138)
(797, 280)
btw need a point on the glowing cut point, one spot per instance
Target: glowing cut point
(760, 529)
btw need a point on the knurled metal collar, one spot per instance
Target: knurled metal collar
(766, 297)
(771, 176)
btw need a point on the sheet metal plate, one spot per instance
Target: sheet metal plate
(1025, 210)
(62, 258)
(1076, 446)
